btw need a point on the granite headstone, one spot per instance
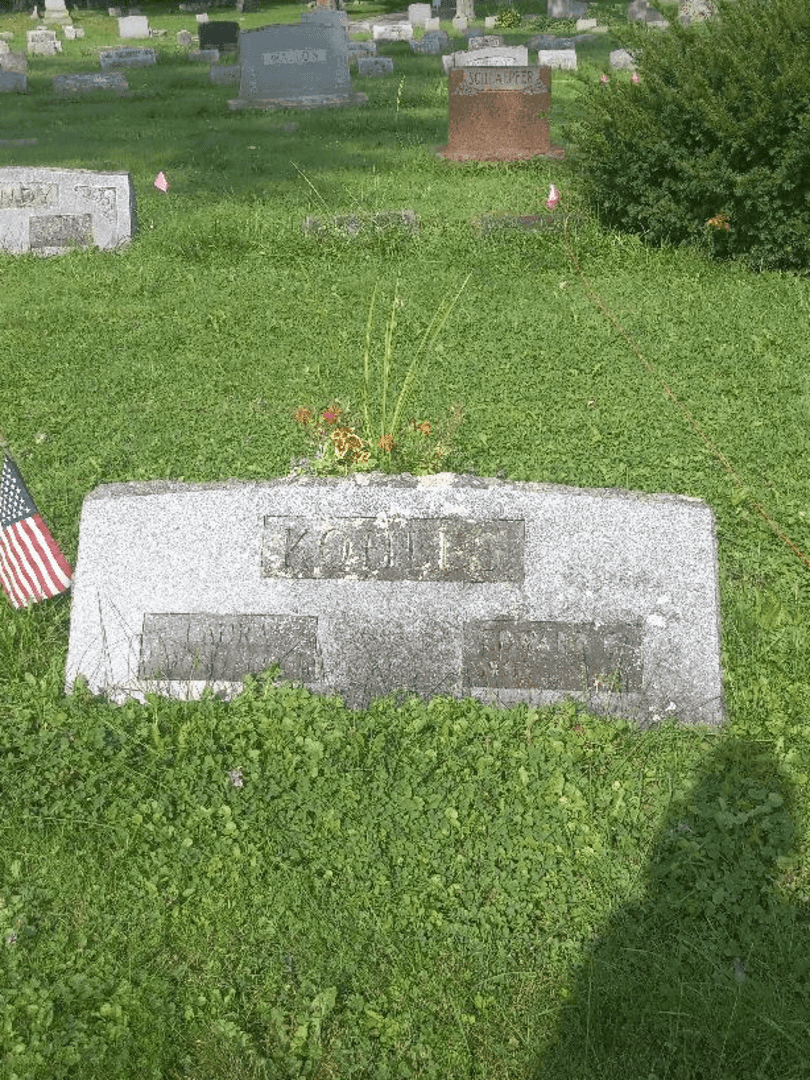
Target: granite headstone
(370, 585)
(220, 35)
(304, 65)
(499, 114)
(49, 211)
(133, 26)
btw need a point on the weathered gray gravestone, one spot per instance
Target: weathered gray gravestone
(66, 85)
(640, 11)
(133, 26)
(565, 59)
(489, 56)
(126, 57)
(49, 211)
(440, 585)
(566, 9)
(43, 42)
(303, 65)
(13, 82)
(375, 65)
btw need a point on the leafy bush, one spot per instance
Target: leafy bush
(711, 144)
(507, 19)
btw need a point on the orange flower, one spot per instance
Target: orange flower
(423, 428)
(303, 416)
(386, 443)
(345, 442)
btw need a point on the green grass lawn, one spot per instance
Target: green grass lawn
(278, 887)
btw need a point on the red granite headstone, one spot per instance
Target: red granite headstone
(499, 114)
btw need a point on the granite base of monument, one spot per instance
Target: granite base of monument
(309, 101)
(373, 584)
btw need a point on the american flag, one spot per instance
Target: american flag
(32, 567)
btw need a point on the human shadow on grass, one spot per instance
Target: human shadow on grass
(707, 977)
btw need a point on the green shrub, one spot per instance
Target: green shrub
(712, 144)
(508, 19)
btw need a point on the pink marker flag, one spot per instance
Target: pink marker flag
(161, 183)
(553, 198)
(32, 568)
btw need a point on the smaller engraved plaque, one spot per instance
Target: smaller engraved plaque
(60, 230)
(210, 647)
(513, 655)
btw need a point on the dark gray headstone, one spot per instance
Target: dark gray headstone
(504, 592)
(220, 35)
(289, 66)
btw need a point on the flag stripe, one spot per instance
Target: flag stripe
(32, 567)
(17, 598)
(38, 544)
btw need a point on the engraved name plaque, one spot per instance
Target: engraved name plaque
(397, 549)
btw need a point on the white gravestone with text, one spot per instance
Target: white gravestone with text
(373, 584)
(49, 211)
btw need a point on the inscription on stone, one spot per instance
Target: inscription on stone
(503, 78)
(216, 647)
(511, 655)
(58, 230)
(296, 56)
(393, 549)
(14, 196)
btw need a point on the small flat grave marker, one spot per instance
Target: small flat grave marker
(493, 114)
(50, 211)
(13, 82)
(224, 74)
(375, 65)
(351, 225)
(66, 85)
(373, 584)
(126, 57)
(564, 59)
